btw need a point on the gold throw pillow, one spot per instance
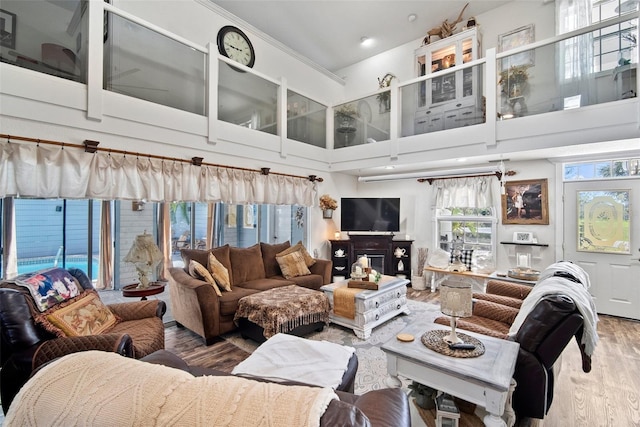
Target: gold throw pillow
(219, 272)
(293, 265)
(299, 247)
(199, 271)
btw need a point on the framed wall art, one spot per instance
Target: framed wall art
(519, 37)
(7, 29)
(525, 202)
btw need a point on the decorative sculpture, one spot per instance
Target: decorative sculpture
(444, 30)
(385, 81)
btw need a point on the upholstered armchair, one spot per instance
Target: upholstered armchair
(25, 344)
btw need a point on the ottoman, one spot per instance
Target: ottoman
(289, 309)
(290, 358)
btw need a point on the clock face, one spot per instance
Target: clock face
(234, 44)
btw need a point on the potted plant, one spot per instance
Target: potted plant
(424, 395)
(328, 205)
(514, 80)
(346, 115)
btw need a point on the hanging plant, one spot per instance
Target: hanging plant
(327, 202)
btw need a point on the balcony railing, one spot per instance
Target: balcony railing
(589, 66)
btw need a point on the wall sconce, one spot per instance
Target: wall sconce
(337, 235)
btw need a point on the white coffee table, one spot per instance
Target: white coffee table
(484, 380)
(372, 308)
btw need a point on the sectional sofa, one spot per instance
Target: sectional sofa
(195, 303)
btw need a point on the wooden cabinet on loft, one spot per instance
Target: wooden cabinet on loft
(455, 99)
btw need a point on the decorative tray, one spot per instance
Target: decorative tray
(524, 274)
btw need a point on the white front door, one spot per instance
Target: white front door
(602, 235)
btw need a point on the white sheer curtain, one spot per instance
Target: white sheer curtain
(29, 170)
(472, 192)
(575, 55)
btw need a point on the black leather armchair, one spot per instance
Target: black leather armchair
(25, 345)
(544, 334)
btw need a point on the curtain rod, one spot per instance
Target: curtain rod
(92, 146)
(497, 174)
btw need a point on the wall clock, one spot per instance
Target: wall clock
(234, 44)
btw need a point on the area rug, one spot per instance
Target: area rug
(372, 361)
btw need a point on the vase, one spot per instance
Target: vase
(327, 213)
(419, 283)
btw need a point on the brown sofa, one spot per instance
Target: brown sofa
(376, 408)
(194, 303)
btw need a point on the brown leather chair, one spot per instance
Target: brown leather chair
(24, 344)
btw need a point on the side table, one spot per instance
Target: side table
(133, 291)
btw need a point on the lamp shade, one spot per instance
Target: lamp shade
(145, 255)
(455, 298)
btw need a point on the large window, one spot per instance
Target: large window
(616, 45)
(236, 225)
(474, 227)
(57, 233)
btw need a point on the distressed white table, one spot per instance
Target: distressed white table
(485, 380)
(372, 307)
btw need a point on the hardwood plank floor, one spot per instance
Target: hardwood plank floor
(608, 396)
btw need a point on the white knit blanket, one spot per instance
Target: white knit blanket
(96, 388)
(549, 284)
(288, 357)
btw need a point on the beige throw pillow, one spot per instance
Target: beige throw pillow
(293, 265)
(219, 272)
(299, 247)
(199, 271)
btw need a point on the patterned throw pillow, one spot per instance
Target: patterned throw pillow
(299, 247)
(199, 271)
(293, 265)
(86, 315)
(466, 256)
(219, 272)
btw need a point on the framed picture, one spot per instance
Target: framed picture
(525, 202)
(7, 29)
(519, 37)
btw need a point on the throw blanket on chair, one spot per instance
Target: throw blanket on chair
(104, 389)
(569, 279)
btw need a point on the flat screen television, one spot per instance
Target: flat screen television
(370, 214)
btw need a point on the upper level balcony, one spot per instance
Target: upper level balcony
(144, 81)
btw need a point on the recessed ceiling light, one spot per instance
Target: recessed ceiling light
(366, 41)
(462, 159)
(389, 167)
(412, 17)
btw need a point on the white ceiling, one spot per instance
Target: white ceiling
(329, 31)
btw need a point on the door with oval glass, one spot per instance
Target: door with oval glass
(602, 235)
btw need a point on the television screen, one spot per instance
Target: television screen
(370, 214)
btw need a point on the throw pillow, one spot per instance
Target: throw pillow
(85, 315)
(219, 272)
(246, 264)
(466, 256)
(299, 247)
(293, 265)
(269, 252)
(199, 271)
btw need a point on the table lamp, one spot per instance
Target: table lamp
(455, 301)
(145, 255)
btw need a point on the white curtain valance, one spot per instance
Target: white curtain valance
(29, 170)
(472, 192)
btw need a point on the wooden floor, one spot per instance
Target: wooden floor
(608, 396)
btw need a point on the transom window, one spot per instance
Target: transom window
(602, 169)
